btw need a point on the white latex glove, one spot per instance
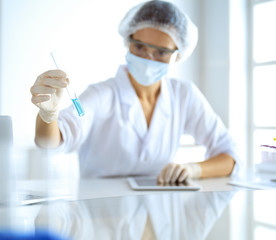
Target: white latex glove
(47, 92)
(173, 172)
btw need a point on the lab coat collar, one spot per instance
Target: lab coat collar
(126, 91)
(133, 109)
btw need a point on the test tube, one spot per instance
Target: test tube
(72, 94)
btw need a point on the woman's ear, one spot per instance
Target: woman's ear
(177, 57)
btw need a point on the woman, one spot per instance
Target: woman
(133, 122)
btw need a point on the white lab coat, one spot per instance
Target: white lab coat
(113, 139)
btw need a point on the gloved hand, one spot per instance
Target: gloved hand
(173, 172)
(47, 92)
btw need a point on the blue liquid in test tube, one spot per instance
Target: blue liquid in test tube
(75, 101)
(73, 96)
(78, 106)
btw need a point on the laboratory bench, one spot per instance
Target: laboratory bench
(107, 208)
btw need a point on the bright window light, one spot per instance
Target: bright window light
(263, 76)
(264, 32)
(264, 95)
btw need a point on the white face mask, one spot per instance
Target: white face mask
(145, 71)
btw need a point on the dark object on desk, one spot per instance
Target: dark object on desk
(37, 235)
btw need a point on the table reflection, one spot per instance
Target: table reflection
(156, 216)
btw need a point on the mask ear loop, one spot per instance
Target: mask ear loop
(172, 61)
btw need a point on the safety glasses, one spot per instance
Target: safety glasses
(146, 50)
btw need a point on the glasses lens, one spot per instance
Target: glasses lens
(156, 53)
(162, 56)
(139, 49)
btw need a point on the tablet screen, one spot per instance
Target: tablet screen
(150, 183)
(153, 182)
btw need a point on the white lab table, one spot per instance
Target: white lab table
(107, 208)
(107, 187)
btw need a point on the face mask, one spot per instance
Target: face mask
(145, 71)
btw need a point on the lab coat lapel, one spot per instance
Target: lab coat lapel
(131, 107)
(162, 113)
(155, 140)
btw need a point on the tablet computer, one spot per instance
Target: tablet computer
(150, 183)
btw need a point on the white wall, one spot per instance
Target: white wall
(238, 76)
(223, 60)
(190, 69)
(215, 55)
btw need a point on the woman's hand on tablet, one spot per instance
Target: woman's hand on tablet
(173, 172)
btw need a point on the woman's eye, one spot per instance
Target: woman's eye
(162, 53)
(139, 46)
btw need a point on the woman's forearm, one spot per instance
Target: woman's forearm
(47, 135)
(218, 166)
